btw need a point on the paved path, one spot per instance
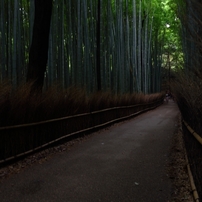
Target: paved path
(125, 163)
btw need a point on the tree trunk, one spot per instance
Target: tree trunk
(38, 54)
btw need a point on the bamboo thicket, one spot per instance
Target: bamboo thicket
(96, 44)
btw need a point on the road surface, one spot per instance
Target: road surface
(127, 162)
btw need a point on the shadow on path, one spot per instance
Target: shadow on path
(126, 162)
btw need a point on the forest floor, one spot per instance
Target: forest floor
(169, 171)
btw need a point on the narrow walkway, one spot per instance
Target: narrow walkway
(126, 162)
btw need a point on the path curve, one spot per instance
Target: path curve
(127, 162)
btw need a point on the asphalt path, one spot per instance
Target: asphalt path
(126, 162)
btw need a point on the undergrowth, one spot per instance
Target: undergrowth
(19, 106)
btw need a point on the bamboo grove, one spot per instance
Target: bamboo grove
(116, 45)
(188, 85)
(189, 12)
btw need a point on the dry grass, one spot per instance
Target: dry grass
(20, 106)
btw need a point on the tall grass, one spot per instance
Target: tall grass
(19, 106)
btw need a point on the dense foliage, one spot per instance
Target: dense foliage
(187, 86)
(133, 39)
